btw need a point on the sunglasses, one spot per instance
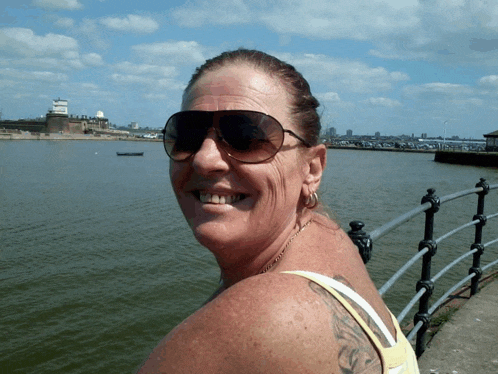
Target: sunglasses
(246, 136)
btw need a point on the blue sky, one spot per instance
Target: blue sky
(393, 66)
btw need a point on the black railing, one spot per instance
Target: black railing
(427, 249)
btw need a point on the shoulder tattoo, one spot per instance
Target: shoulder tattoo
(356, 352)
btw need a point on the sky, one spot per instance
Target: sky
(398, 67)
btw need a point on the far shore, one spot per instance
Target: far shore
(55, 136)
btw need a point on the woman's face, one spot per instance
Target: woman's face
(238, 209)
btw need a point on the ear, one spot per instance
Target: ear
(316, 161)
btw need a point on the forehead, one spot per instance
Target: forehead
(239, 87)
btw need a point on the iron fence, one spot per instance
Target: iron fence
(427, 249)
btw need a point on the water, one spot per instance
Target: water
(97, 263)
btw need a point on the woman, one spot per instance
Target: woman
(245, 167)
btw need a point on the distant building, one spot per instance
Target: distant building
(491, 141)
(57, 120)
(134, 126)
(424, 135)
(349, 133)
(59, 107)
(377, 134)
(331, 132)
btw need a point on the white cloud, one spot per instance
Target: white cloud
(173, 52)
(131, 23)
(64, 22)
(344, 75)
(146, 69)
(33, 75)
(24, 42)
(91, 30)
(450, 31)
(58, 4)
(382, 102)
(92, 59)
(323, 19)
(438, 90)
(218, 12)
(89, 86)
(149, 81)
(331, 97)
(490, 80)
(155, 96)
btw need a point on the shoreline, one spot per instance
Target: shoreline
(59, 137)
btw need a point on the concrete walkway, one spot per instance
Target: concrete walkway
(468, 343)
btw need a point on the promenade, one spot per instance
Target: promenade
(468, 342)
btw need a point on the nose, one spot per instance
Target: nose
(210, 158)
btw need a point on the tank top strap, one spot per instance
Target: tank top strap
(375, 341)
(401, 355)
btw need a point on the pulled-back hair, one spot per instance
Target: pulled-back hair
(303, 103)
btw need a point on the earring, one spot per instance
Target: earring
(311, 201)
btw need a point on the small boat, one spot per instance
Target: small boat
(130, 153)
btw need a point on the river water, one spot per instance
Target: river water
(97, 263)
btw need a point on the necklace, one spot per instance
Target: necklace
(286, 246)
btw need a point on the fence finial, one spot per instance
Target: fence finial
(361, 239)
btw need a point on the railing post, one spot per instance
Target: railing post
(476, 262)
(361, 239)
(425, 279)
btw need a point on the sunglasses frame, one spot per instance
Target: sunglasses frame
(224, 145)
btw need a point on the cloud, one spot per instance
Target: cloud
(322, 19)
(173, 52)
(382, 102)
(149, 81)
(331, 97)
(92, 59)
(490, 80)
(448, 31)
(89, 86)
(33, 75)
(146, 69)
(64, 22)
(131, 23)
(154, 77)
(23, 41)
(217, 12)
(58, 4)
(92, 31)
(440, 90)
(437, 30)
(344, 75)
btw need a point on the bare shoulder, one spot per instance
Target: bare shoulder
(264, 324)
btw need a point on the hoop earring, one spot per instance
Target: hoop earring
(311, 201)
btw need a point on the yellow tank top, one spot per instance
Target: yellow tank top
(397, 359)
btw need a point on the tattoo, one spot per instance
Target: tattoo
(356, 352)
(364, 315)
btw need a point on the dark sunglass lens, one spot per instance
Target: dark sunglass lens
(184, 134)
(251, 136)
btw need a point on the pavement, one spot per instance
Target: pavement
(468, 342)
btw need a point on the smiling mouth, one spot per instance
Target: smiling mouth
(208, 198)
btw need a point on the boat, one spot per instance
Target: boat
(130, 153)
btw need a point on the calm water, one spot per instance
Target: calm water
(97, 263)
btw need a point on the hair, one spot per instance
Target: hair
(303, 104)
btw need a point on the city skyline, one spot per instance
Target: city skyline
(394, 66)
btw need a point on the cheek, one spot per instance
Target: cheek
(178, 176)
(284, 184)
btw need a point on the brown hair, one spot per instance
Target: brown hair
(304, 104)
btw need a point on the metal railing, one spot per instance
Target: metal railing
(427, 249)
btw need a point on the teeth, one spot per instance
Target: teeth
(217, 199)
